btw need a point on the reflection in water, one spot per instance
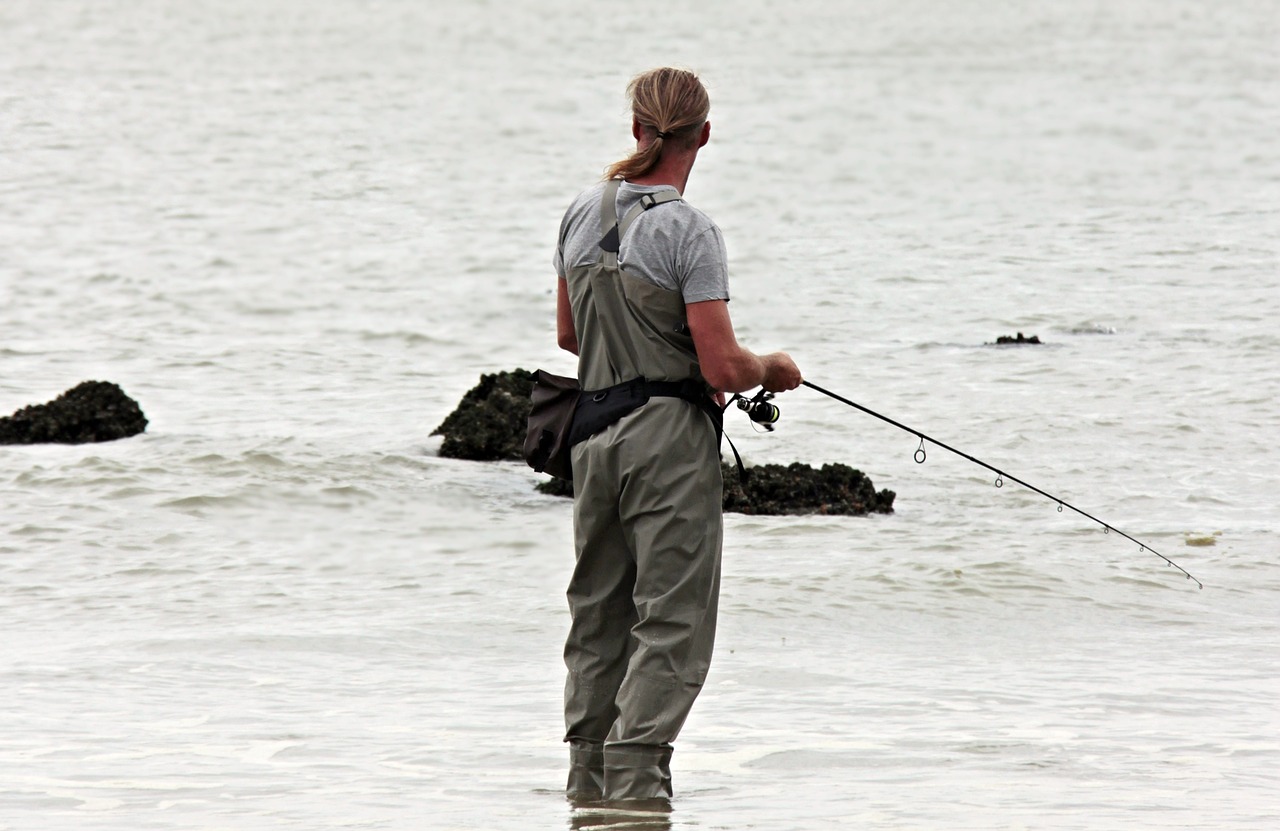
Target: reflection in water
(637, 814)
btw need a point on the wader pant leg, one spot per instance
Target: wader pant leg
(665, 508)
(599, 641)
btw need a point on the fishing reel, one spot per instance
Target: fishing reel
(760, 409)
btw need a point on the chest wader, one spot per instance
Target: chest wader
(647, 532)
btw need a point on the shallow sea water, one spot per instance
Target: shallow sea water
(297, 233)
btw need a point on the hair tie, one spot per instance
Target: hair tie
(665, 134)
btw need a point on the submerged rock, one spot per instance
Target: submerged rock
(92, 411)
(1020, 339)
(555, 487)
(490, 421)
(833, 489)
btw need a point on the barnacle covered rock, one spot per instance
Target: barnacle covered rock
(801, 489)
(92, 411)
(490, 422)
(834, 489)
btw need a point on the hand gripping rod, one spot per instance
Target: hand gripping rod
(1000, 475)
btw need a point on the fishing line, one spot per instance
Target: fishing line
(920, 455)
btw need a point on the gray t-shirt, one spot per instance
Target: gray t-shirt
(673, 245)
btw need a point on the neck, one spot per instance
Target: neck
(673, 169)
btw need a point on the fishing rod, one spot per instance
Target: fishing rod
(762, 411)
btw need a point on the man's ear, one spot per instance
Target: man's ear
(635, 128)
(706, 134)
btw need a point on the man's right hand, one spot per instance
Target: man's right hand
(780, 372)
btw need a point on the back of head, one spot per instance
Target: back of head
(671, 105)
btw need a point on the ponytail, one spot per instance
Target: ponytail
(672, 103)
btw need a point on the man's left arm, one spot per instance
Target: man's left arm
(566, 335)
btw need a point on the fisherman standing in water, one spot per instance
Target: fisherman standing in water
(643, 302)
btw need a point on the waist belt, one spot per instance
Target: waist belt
(598, 409)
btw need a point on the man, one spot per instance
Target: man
(643, 294)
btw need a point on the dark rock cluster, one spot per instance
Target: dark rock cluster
(800, 489)
(834, 489)
(490, 422)
(1020, 339)
(92, 411)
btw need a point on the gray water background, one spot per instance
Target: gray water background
(297, 232)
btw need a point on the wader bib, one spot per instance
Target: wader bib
(647, 531)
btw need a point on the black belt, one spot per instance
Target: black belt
(598, 409)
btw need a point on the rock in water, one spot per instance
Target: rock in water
(834, 489)
(490, 421)
(1005, 340)
(800, 489)
(89, 412)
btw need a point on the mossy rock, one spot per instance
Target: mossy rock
(833, 489)
(490, 422)
(92, 411)
(801, 489)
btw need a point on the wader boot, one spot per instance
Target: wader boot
(647, 532)
(586, 770)
(638, 772)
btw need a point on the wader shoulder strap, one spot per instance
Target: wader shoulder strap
(612, 230)
(609, 206)
(649, 200)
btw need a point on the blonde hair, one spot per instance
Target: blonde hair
(671, 102)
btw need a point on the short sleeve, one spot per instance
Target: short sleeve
(703, 263)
